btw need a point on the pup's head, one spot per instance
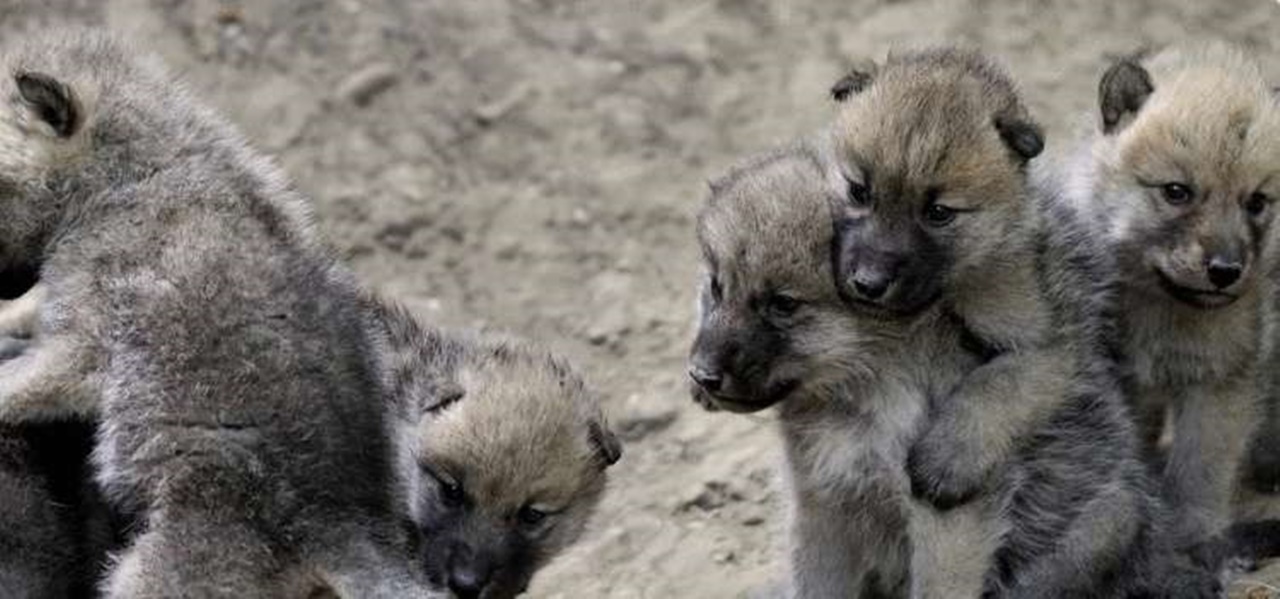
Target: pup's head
(1187, 168)
(931, 151)
(770, 324)
(504, 452)
(47, 93)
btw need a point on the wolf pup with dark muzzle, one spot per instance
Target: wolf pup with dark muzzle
(503, 452)
(772, 331)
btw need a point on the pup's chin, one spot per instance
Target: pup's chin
(1191, 296)
(716, 402)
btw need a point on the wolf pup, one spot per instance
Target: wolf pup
(189, 305)
(849, 389)
(503, 452)
(1180, 181)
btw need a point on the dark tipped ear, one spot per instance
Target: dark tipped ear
(1022, 136)
(608, 448)
(52, 101)
(855, 82)
(1123, 90)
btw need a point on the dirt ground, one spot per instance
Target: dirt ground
(535, 165)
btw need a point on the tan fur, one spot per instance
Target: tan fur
(519, 436)
(488, 430)
(1212, 123)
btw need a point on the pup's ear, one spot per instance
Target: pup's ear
(51, 101)
(1123, 90)
(607, 446)
(859, 78)
(1022, 136)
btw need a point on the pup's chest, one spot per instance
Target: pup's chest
(1163, 348)
(857, 454)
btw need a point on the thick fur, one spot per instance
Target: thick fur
(1041, 425)
(1202, 119)
(1067, 518)
(1068, 510)
(503, 452)
(932, 157)
(190, 305)
(850, 388)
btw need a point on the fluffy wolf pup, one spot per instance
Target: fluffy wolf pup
(1066, 509)
(190, 306)
(1180, 182)
(502, 451)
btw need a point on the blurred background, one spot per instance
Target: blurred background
(535, 166)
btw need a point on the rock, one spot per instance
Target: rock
(362, 86)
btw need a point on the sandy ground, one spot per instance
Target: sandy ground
(535, 165)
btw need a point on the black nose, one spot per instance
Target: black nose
(467, 583)
(1222, 272)
(706, 379)
(871, 285)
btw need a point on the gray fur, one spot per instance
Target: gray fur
(1063, 504)
(190, 305)
(1042, 425)
(851, 387)
(502, 452)
(1192, 345)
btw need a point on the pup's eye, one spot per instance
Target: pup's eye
(451, 492)
(859, 194)
(938, 215)
(1176, 194)
(716, 290)
(780, 305)
(531, 516)
(1257, 203)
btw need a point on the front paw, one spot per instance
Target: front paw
(942, 476)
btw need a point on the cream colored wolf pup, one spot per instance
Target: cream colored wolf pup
(1181, 180)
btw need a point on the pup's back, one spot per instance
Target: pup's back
(240, 410)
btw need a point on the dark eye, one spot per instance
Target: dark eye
(781, 306)
(715, 288)
(1176, 194)
(451, 493)
(859, 194)
(938, 215)
(1257, 203)
(530, 516)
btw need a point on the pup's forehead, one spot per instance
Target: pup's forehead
(769, 219)
(1217, 125)
(915, 128)
(521, 433)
